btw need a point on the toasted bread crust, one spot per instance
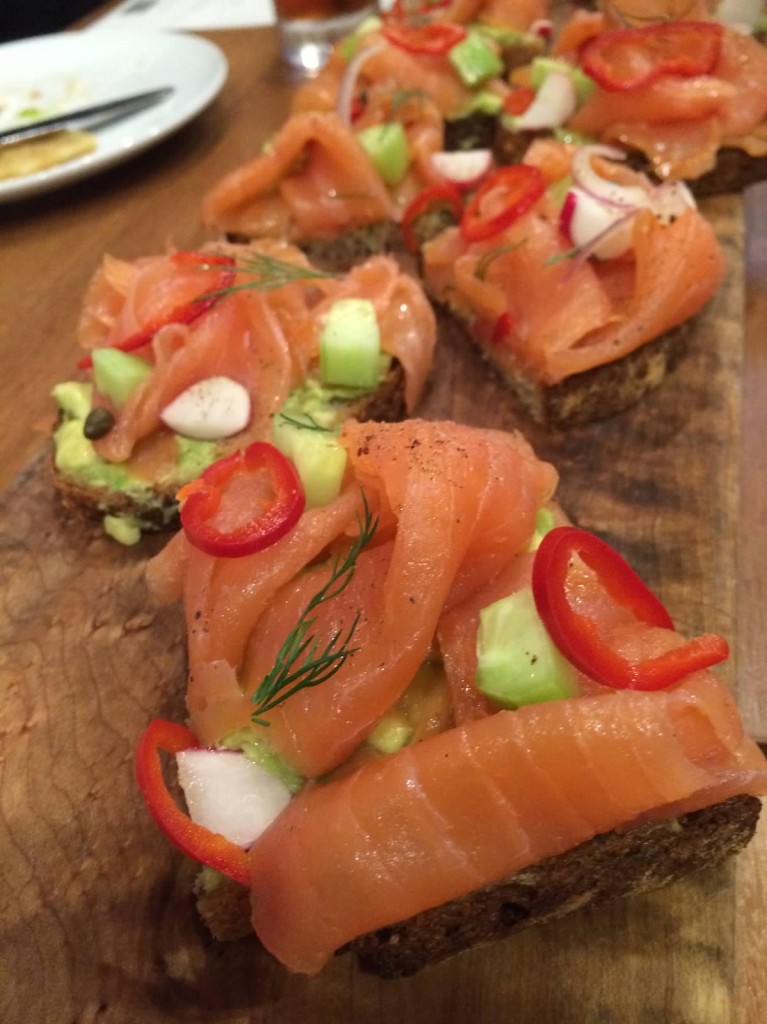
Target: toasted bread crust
(734, 171)
(607, 867)
(341, 253)
(593, 394)
(157, 509)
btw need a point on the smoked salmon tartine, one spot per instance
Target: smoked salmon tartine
(568, 268)
(378, 124)
(192, 355)
(689, 95)
(424, 686)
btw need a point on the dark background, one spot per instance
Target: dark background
(21, 18)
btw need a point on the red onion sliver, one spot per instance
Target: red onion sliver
(346, 91)
(607, 192)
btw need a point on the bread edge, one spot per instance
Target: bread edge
(610, 866)
(156, 507)
(590, 395)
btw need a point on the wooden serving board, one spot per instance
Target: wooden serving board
(98, 926)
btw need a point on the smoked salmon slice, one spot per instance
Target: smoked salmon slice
(475, 804)
(568, 314)
(313, 179)
(265, 337)
(680, 124)
(455, 504)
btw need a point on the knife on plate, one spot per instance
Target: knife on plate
(86, 117)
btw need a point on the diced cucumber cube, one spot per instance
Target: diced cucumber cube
(475, 59)
(517, 662)
(318, 457)
(541, 67)
(387, 146)
(117, 374)
(350, 344)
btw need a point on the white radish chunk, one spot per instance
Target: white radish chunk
(463, 167)
(554, 103)
(228, 793)
(209, 410)
(592, 222)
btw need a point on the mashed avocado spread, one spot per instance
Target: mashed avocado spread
(76, 458)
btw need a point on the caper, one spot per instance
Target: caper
(98, 423)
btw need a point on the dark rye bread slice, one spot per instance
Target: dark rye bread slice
(610, 866)
(734, 170)
(340, 253)
(155, 506)
(591, 395)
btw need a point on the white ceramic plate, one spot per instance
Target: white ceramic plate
(48, 75)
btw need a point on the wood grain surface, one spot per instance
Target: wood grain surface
(97, 923)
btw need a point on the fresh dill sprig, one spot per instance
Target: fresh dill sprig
(309, 423)
(268, 273)
(299, 662)
(489, 257)
(402, 96)
(560, 256)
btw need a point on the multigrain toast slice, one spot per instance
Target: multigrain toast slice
(593, 394)
(611, 866)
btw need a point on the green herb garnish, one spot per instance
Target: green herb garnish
(402, 96)
(307, 423)
(482, 264)
(299, 662)
(560, 256)
(267, 273)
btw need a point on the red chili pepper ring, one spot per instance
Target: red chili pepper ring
(433, 39)
(504, 196)
(195, 840)
(242, 503)
(629, 58)
(580, 636)
(446, 197)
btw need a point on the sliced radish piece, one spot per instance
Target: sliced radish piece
(209, 410)
(463, 167)
(228, 793)
(605, 231)
(554, 102)
(670, 200)
(607, 192)
(542, 27)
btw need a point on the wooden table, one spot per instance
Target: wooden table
(97, 922)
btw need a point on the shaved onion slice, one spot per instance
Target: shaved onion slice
(554, 103)
(608, 192)
(597, 215)
(348, 87)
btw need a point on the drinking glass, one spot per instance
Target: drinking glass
(308, 29)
